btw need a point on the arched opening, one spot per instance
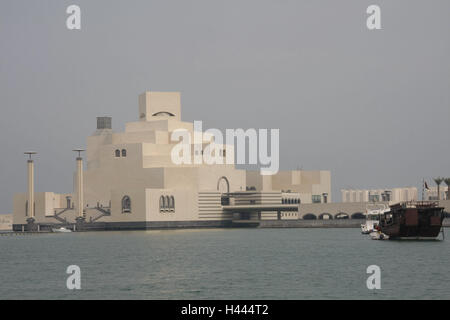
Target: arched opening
(68, 202)
(163, 114)
(309, 216)
(358, 215)
(172, 203)
(162, 203)
(126, 204)
(325, 216)
(220, 185)
(341, 215)
(124, 153)
(167, 201)
(117, 152)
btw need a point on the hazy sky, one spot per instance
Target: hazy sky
(371, 106)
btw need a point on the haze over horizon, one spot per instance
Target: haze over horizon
(373, 107)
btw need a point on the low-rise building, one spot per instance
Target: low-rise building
(379, 195)
(432, 193)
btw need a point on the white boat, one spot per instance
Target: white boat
(61, 230)
(378, 235)
(373, 217)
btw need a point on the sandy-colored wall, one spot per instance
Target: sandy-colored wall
(186, 208)
(45, 205)
(6, 222)
(151, 102)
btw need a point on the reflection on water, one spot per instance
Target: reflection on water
(222, 264)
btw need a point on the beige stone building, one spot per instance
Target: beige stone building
(131, 181)
(393, 195)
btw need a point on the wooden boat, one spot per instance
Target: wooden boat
(418, 220)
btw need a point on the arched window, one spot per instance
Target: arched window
(162, 203)
(68, 201)
(124, 153)
(220, 186)
(167, 207)
(126, 204)
(117, 153)
(172, 203)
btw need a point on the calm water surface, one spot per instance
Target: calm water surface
(222, 264)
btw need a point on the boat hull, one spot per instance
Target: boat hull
(404, 232)
(422, 222)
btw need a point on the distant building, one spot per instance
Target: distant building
(304, 186)
(6, 222)
(380, 195)
(431, 193)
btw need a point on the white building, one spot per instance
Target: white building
(131, 182)
(376, 195)
(432, 194)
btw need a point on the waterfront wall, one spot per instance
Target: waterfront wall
(111, 226)
(317, 209)
(336, 223)
(331, 210)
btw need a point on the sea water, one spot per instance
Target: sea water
(222, 264)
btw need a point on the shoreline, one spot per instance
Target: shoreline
(255, 224)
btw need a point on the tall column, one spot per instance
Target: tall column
(80, 186)
(30, 189)
(80, 201)
(30, 213)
